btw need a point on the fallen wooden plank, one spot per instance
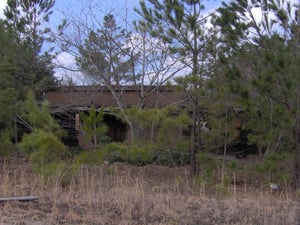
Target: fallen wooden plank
(20, 199)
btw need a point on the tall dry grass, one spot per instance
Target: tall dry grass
(122, 194)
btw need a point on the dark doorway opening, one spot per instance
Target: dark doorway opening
(117, 129)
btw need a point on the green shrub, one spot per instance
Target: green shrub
(6, 146)
(173, 157)
(115, 151)
(209, 167)
(43, 147)
(273, 167)
(138, 155)
(130, 153)
(46, 152)
(92, 158)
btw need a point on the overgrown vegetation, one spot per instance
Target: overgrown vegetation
(240, 76)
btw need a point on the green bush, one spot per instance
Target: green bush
(138, 155)
(130, 153)
(92, 158)
(48, 156)
(43, 147)
(115, 151)
(173, 157)
(209, 167)
(273, 167)
(46, 152)
(6, 146)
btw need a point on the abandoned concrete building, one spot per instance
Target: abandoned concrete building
(67, 102)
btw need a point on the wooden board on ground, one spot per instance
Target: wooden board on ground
(20, 199)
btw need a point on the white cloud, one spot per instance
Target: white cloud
(2, 7)
(65, 59)
(66, 70)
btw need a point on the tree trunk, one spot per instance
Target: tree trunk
(297, 138)
(193, 145)
(225, 147)
(297, 131)
(194, 136)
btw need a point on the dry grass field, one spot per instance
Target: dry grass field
(126, 195)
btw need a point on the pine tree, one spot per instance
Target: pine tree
(8, 91)
(26, 19)
(181, 25)
(93, 127)
(262, 64)
(104, 56)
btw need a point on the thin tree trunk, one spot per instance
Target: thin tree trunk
(297, 137)
(193, 146)
(225, 148)
(297, 131)
(194, 136)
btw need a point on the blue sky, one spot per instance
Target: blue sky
(101, 6)
(112, 6)
(105, 6)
